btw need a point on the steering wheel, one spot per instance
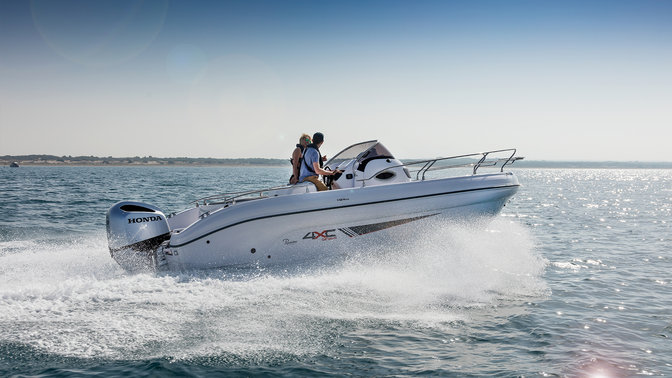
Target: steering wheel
(329, 180)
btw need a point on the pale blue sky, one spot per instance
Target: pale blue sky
(564, 80)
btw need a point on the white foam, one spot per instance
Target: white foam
(73, 299)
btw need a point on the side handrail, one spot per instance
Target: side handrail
(506, 162)
(230, 197)
(482, 162)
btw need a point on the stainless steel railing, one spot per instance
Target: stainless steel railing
(429, 165)
(231, 197)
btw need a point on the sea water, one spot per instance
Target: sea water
(573, 278)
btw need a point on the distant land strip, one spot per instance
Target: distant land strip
(52, 160)
(49, 160)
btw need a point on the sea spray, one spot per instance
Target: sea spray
(75, 301)
(461, 263)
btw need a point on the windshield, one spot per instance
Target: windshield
(378, 151)
(364, 151)
(351, 152)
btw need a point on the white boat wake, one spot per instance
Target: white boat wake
(73, 300)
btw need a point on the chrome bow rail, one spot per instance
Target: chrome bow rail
(429, 165)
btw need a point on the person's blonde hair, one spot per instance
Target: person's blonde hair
(305, 136)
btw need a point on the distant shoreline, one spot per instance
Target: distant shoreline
(149, 161)
(51, 160)
(195, 165)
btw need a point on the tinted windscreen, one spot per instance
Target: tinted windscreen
(376, 152)
(352, 152)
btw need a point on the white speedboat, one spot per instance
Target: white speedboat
(376, 198)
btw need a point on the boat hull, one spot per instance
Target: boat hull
(321, 225)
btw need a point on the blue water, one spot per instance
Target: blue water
(572, 279)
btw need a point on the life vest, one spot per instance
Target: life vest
(291, 159)
(309, 167)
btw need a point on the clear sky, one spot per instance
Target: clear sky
(559, 80)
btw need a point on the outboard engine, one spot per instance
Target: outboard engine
(135, 230)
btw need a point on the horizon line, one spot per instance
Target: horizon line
(50, 157)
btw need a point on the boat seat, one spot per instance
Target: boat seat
(307, 186)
